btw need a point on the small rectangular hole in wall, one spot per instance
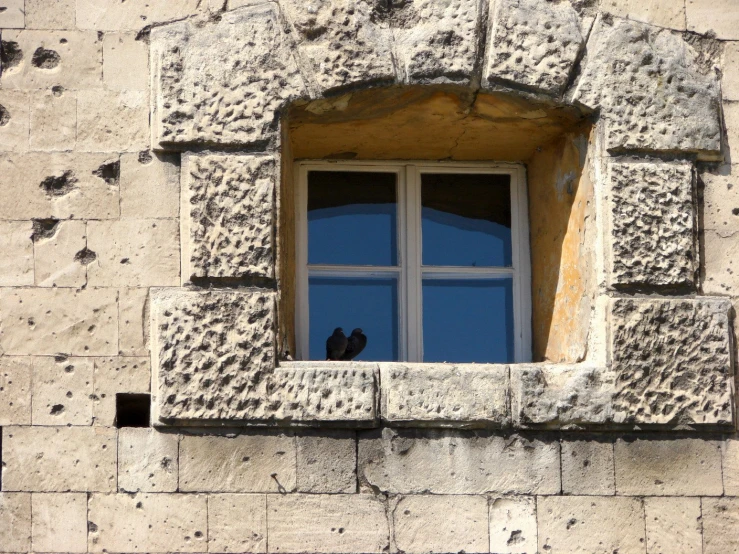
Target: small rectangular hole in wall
(132, 410)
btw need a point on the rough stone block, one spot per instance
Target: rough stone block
(59, 459)
(242, 463)
(147, 460)
(117, 375)
(237, 523)
(125, 62)
(673, 525)
(730, 464)
(651, 217)
(587, 467)
(15, 521)
(150, 186)
(13, 14)
(465, 395)
(133, 311)
(16, 253)
(60, 256)
(134, 253)
(61, 186)
(561, 396)
(458, 462)
(59, 522)
(112, 121)
(327, 523)
(513, 525)
(345, 42)
(53, 120)
(62, 391)
(678, 467)
(52, 321)
(719, 18)
(15, 390)
(590, 524)
(14, 120)
(327, 462)
(673, 361)
(438, 523)
(148, 522)
(198, 96)
(720, 250)
(654, 92)
(42, 14)
(662, 13)
(533, 44)
(720, 522)
(228, 207)
(730, 71)
(113, 15)
(720, 200)
(68, 59)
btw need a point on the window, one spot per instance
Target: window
(430, 260)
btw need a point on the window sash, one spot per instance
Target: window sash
(410, 271)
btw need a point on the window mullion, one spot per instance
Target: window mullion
(413, 264)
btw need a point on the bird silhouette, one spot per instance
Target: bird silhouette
(336, 344)
(356, 343)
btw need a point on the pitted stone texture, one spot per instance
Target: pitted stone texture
(211, 352)
(147, 460)
(41, 14)
(117, 375)
(651, 222)
(720, 521)
(53, 120)
(15, 521)
(513, 525)
(225, 82)
(652, 89)
(342, 41)
(62, 391)
(587, 466)
(534, 44)
(557, 396)
(14, 121)
(150, 186)
(228, 205)
(673, 525)
(15, 390)
(55, 255)
(673, 361)
(445, 395)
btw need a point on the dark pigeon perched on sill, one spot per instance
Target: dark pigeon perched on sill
(356, 343)
(336, 345)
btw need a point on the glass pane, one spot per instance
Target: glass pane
(466, 220)
(352, 218)
(368, 303)
(466, 320)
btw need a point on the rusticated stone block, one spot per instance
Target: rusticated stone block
(534, 44)
(654, 92)
(651, 224)
(224, 82)
(465, 395)
(228, 205)
(672, 360)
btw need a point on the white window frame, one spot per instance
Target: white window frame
(409, 270)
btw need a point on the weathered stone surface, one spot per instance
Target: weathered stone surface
(587, 466)
(113, 15)
(147, 523)
(112, 121)
(327, 462)
(327, 523)
(125, 62)
(62, 186)
(228, 206)
(150, 186)
(59, 253)
(42, 14)
(439, 523)
(673, 361)
(652, 217)
(719, 18)
(242, 463)
(561, 396)
(59, 459)
(15, 521)
(59, 522)
(659, 467)
(117, 375)
(15, 390)
(663, 13)
(720, 521)
(731, 121)
(14, 120)
(654, 93)
(719, 273)
(533, 44)
(53, 120)
(237, 523)
(13, 14)
(730, 465)
(16, 253)
(134, 253)
(720, 200)
(62, 391)
(730, 71)
(464, 395)
(52, 321)
(591, 524)
(199, 98)
(673, 525)
(342, 41)
(457, 462)
(513, 525)
(147, 460)
(133, 311)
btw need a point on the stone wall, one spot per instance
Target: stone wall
(145, 158)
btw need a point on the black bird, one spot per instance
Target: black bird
(336, 344)
(357, 342)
